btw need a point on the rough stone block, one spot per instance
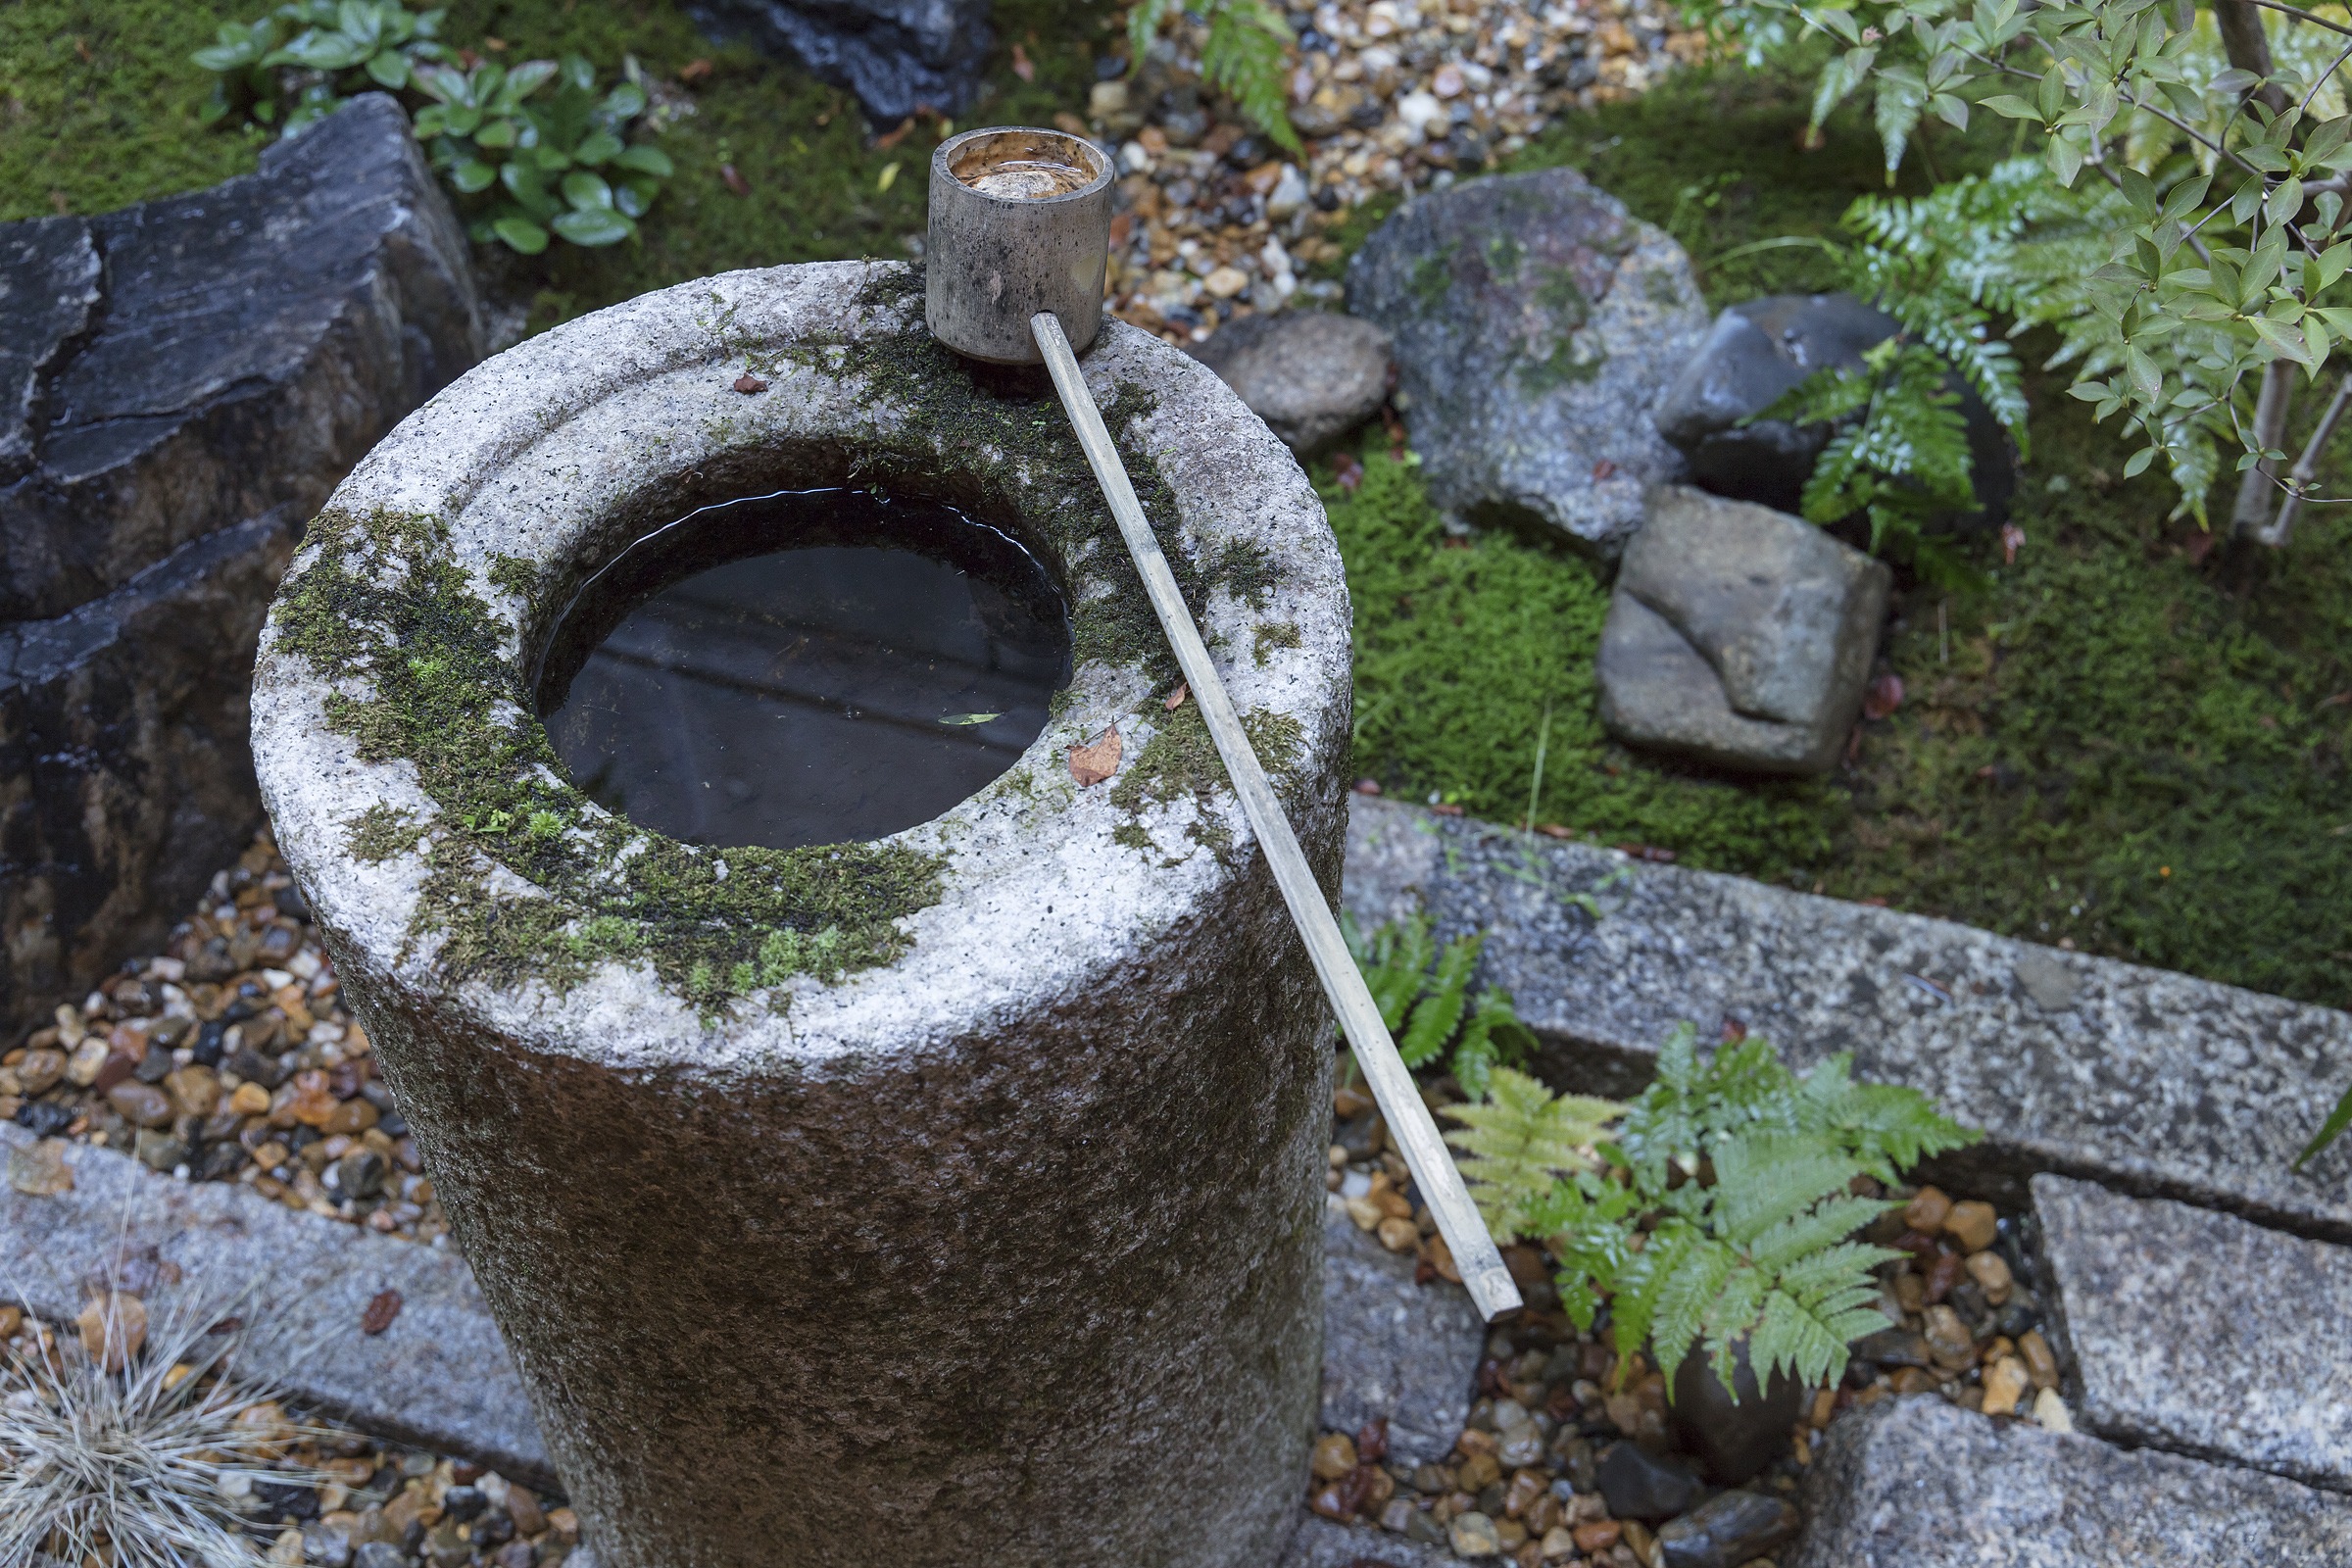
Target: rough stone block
(1312, 375)
(2150, 1081)
(1392, 1349)
(1739, 636)
(897, 56)
(1007, 1248)
(438, 1376)
(192, 363)
(1918, 1483)
(1759, 349)
(2200, 1333)
(125, 773)
(1536, 325)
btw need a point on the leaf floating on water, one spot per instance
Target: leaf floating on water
(40, 1172)
(1092, 764)
(970, 718)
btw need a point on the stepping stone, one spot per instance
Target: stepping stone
(1312, 375)
(898, 58)
(1917, 1482)
(181, 383)
(437, 1377)
(2084, 1066)
(1392, 1349)
(2200, 1333)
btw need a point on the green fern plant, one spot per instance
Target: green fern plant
(1721, 1208)
(1245, 55)
(1424, 998)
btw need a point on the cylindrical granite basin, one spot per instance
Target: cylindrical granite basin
(952, 1197)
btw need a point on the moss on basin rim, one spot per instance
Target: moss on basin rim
(424, 670)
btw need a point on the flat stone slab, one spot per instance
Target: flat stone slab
(1917, 1482)
(438, 1377)
(2147, 1080)
(1392, 1349)
(1326, 1544)
(2203, 1334)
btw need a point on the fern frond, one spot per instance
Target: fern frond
(1444, 999)
(1825, 1224)
(1245, 55)
(1808, 1343)
(1588, 1223)
(1689, 1287)
(1521, 1140)
(1768, 1178)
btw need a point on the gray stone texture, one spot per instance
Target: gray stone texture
(438, 1376)
(1006, 1252)
(897, 56)
(1917, 1482)
(1312, 375)
(1739, 636)
(180, 384)
(1391, 1350)
(2202, 1334)
(2150, 1081)
(1535, 327)
(1761, 348)
(1327, 1543)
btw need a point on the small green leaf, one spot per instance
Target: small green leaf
(390, 67)
(594, 226)
(472, 176)
(972, 718)
(2013, 107)
(646, 161)
(587, 192)
(496, 133)
(595, 149)
(521, 234)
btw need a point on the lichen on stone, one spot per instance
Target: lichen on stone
(1282, 634)
(1181, 759)
(385, 614)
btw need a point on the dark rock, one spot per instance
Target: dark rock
(188, 379)
(1739, 636)
(290, 902)
(1534, 325)
(44, 1118)
(142, 1105)
(266, 1070)
(1732, 1439)
(379, 1555)
(360, 1173)
(205, 1049)
(1727, 1531)
(897, 56)
(1895, 1347)
(155, 1066)
(1760, 349)
(1312, 375)
(217, 1162)
(284, 1499)
(1924, 1484)
(1393, 1351)
(1638, 1484)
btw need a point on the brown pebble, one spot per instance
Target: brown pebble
(40, 1070)
(1598, 1536)
(1334, 1456)
(2041, 1365)
(113, 1327)
(1478, 1472)
(1948, 1340)
(1399, 1235)
(1991, 1271)
(1906, 1380)
(2005, 1382)
(1973, 1225)
(350, 1117)
(249, 1100)
(1942, 1275)
(1926, 1211)
(141, 1104)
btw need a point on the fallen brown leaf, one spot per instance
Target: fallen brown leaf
(382, 1311)
(899, 135)
(2200, 545)
(734, 181)
(2013, 539)
(1175, 699)
(1884, 695)
(694, 71)
(1348, 472)
(748, 384)
(113, 1327)
(1092, 764)
(1021, 66)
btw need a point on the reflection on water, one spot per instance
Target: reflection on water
(805, 667)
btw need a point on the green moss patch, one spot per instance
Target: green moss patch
(384, 610)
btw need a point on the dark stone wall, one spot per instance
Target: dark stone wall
(181, 383)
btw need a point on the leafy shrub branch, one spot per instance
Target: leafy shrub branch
(533, 152)
(2210, 154)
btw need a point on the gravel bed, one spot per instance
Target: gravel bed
(1389, 97)
(228, 1057)
(1534, 1477)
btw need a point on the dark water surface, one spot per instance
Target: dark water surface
(810, 667)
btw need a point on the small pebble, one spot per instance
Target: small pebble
(1473, 1534)
(1334, 1456)
(2041, 1365)
(1973, 1225)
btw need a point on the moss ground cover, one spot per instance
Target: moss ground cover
(2119, 742)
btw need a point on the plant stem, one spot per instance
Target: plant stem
(2248, 49)
(1543, 739)
(2254, 488)
(2306, 468)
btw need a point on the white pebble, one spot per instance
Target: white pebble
(2050, 1411)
